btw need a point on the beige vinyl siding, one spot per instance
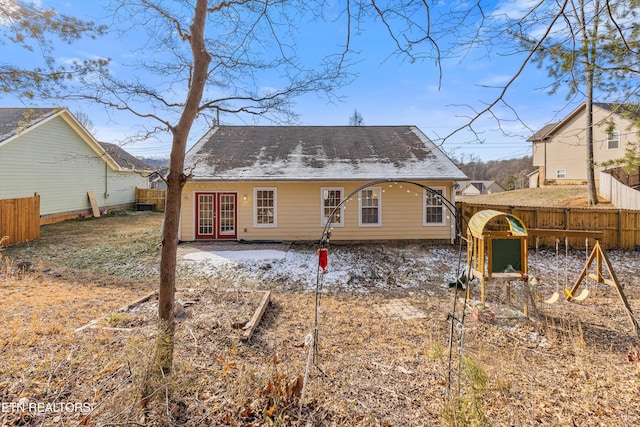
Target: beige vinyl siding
(299, 212)
(567, 148)
(53, 160)
(567, 151)
(538, 153)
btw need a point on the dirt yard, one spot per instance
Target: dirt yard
(75, 349)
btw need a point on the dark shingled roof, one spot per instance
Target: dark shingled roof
(124, 159)
(319, 152)
(14, 120)
(543, 133)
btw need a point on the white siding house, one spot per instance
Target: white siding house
(47, 151)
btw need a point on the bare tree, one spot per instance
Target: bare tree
(589, 48)
(574, 61)
(204, 58)
(356, 119)
(34, 29)
(85, 120)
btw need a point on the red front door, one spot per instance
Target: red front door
(216, 215)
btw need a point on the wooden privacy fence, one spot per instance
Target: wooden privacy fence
(152, 196)
(620, 228)
(20, 219)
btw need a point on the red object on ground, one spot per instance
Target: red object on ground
(323, 258)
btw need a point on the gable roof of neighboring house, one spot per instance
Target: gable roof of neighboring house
(124, 159)
(16, 121)
(543, 133)
(480, 187)
(319, 153)
(623, 110)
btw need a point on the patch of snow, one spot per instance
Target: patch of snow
(423, 268)
(357, 268)
(219, 258)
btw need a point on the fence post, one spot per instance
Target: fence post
(619, 228)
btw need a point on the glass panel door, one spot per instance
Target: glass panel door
(227, 215)
(216, 215)
(205, 215)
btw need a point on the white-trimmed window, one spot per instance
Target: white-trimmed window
(330, 198)
(434, 207)
(265, 207)
(613, 140)
(561, 173)
(369, 205)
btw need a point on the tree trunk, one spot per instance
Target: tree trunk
(175, 182)
(591, 179)
(589, 55)
(168, 260)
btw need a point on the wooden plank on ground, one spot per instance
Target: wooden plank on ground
(257, 316)
(123, 309)
(94, 204)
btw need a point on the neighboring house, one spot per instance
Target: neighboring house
(158, 179)
(47, 151)
(475, 188)
(282, 183)
(560, 150)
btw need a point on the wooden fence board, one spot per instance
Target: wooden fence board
(620, 228)
(95, 210)
(20, 219)
(152, 196)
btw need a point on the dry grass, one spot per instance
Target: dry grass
(578, 366)
(574, 196)
(43, 359)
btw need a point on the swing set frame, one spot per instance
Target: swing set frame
(600, 257)
(481, 254)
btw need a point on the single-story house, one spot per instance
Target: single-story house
(47, 151)
(560, 150)
(475, 188)
(283, 182)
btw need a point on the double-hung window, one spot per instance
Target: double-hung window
(370, 204)
(330, 199)
(561, 173)
(613, 140)
(265, 208)
(434, 207)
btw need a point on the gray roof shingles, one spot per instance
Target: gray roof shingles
(124, 159)
(13, 120)
(319, 152)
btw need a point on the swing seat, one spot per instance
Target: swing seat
(553, 298)
(583, 295)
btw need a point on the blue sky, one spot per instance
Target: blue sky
(388, 91)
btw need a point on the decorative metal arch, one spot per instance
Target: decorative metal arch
(452, 317)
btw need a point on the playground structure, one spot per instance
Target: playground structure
(493, 254)
(502, 254)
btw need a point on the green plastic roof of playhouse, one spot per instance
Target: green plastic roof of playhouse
(480, 219)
